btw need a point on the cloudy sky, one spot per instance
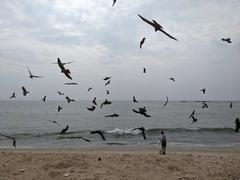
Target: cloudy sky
(104, 41)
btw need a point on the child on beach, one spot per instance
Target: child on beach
(163, 142)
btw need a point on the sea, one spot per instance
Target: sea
(31, 124)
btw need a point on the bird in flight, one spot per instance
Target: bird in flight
(172, 79)
(231, 105)
(142, 129)
(203, 90)
(13, 96)
(204, 105)
(25, 92)
(33, 76)
(144, 70)
(12, 138)
(114, 1)
(141, 42)
(108, 82)
(71, 83)
(194, 119)
(94, 101)
(63, 70)
(64, 130)
(165, 102)
(141, 111)
(69, 100)
(60, 93)
(107, 92)
(106, 78)
(228, 40)
(157, 27)
(192, 114)
(59, 108)
(100, 133)
(44, 98)
(91, 108)
(134, 100)
(106, 102)
(89, 89)
(112, 115)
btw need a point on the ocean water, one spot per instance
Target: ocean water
(30, 123)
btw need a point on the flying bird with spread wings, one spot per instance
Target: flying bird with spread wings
(63, 70)
(25, 92)
(33, 76)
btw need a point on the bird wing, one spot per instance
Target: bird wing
(166, 102)
(168, 35)
(147, 21)
(67, 74)
(135, 111)
(61, 65)
(29, 71)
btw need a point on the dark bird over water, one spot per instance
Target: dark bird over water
(237, 125)
(156, 26)
(194, 119)
(71, 83)
(106, 78)
(55, 122)
(142, 41)
(64, 130)
(142, 129)
(13, 96)
(89, 89)
(106, 102)
(91, 108)
(134, 100)
(63, 70)
(112, 115)
(228, 40)
(59, 108)
(25, 92)
(192, 114)
(172, 79)
(204, 105)
(107, 92)
(231, 105)
(44, 98)
(203, 90)
(144, 70)
(69, 100)
(100, 133)
(114, 1)
(108, 82)
(60, 93)
(165, 102)
(33, 76)
(141, 111)
(94, 101)
(12, 138)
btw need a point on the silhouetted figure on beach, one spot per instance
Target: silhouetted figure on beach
(25, 92)
(44, 98)
(203, 90)
(33, 76)
(91, 108)
(156, 26)
(163, 142)
(228, 40)
(108, 82)
(13, 96)
(100, 133)
(63, 70)
(165, 102)
(134, 100)
(237, 125)
(194, 119)
(192, 114)
(141, 111)
(142, 129)
(64, 130)
(142, 41)
(112, 115)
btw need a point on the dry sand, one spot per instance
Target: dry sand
(112, 164)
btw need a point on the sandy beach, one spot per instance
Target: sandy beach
(115, 163)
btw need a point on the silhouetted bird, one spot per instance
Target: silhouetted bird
(203, 90)
(142, 41)
(192, 114)
(237, 125)
(33, 76)
(134, 100)
(172, 79)
(114, 1)
(89, 89)
(106, 102)
(91, 108)
(64, 130)
(228, 40)
(71, 84)
(100, 133)
(59, 108)
(69, 100)
(165, 102)
(13, 96)
(63, 70)
(55, 122)
(107, 92)
(44, 98)
(94, 101)
(25, 92)
(144, 70)
(194, 119)
(141, 111)
(106, 78)
(204, 105)
(12, 138)
(108, 82)
(156, 26)
(112, 115)
(142, 129)
(60, 93)
(231, 105)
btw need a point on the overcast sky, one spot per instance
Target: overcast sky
(104, 41)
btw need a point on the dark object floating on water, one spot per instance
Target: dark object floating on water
(134, 100)
(112, 115)
(25, 92)
(91, 108)
(44, 98)
(13, 96)
(69, 100)
(106, 102)
(71, 83)
(59, 108)
(165, 102)
(141, 111)
(237, 125)
(64, 130)
(33, 76)
(12, 138)
(142, 129)
(141, 42)
(228, 40)
(156, 26)
(63, 70)
(100, 133)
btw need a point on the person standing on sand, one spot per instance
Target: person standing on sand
(163, 142)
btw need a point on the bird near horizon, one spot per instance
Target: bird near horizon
(64, 130)
(112, 115)
(141, 42)
(12, 138)
(33, 76)
(106, 102)
(59, 108)
(94, 101)
(44, 98)
(228, 40)
(25, 92)
(157, 27)
(63, 70)
(231, 105)
(100, 133)
(134, 100)
(69, 100)
(204, 105)
(141, 111)
(91, 108)
(13, 95)
(142, 129)
(60, 93)
(203, 90)
(165, 102)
